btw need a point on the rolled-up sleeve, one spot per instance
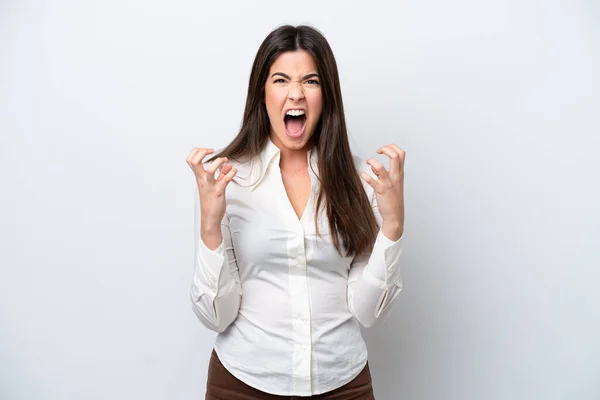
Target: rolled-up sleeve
(216, 289)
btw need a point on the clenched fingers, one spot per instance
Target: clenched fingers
(377, 168)
(195, 158)
(213, 166)
(224, 170)
(223, 182)
(396, 156)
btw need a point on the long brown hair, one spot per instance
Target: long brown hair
(348, 209)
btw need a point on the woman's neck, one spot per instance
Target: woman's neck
(291, 159)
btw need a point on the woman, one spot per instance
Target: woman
(293, 250)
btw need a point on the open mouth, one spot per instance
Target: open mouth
(295, 123)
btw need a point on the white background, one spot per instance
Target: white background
(495, 102)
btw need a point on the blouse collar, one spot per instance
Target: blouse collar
(270, 154)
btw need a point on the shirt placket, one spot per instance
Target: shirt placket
(301, 329)
(300, 304)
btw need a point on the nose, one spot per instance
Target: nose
(296, 93)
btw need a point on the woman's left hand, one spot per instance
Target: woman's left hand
(389, 185)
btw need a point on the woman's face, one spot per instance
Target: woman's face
(293, 87)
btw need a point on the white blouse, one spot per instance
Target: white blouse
(286, 305)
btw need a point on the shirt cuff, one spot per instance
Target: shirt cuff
(386, 254)
(387, 241)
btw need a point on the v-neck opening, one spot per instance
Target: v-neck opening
(290, 206)
(311, 177)
(307, 201)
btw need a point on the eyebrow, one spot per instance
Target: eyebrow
(287, 77)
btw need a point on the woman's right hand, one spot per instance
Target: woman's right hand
(211, 190)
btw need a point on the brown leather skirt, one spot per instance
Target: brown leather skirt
(222, 385)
